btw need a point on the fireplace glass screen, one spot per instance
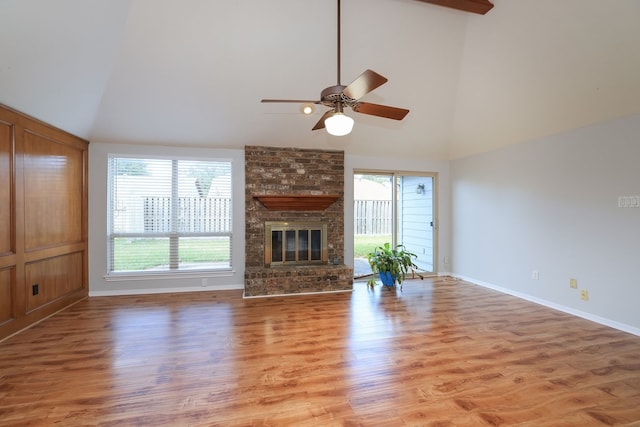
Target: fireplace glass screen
(295, 243)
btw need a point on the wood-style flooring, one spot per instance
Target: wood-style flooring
(439, 353)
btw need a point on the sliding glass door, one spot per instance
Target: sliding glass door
(398, 208)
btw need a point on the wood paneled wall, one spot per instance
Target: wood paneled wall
(43, 220)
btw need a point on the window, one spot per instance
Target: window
(168, 215)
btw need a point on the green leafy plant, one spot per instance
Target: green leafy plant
(398, 261)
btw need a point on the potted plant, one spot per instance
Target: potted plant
(391, 264)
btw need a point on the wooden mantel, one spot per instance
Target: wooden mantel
(296, 202)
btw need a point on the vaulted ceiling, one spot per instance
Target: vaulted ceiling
(193, 72)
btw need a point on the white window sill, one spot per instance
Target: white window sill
(156, 275)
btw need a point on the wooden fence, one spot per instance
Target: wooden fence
(195, 215)
(372, 217)
(213, 215)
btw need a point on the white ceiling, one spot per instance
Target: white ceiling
(193, 72)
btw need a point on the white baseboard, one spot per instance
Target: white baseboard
(117, 292)
(601, 320)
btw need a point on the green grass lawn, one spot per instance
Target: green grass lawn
(143, 254)
(364, 244)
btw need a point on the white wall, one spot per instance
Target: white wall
(442, 198)
(551, 205)
(98, 285)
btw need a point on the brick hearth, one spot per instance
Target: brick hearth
(290, 171)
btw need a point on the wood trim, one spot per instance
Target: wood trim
(34, 123)
(292, 202)
(8, 260)
(54, 251)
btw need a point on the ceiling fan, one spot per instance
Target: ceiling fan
(339, 96)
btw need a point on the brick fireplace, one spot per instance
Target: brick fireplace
(294, 186)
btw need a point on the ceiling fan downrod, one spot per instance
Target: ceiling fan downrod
(338, 40)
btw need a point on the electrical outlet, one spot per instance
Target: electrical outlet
(34, 289)
(584, 295)
(204, 282)
(535, 275)
(573, 283)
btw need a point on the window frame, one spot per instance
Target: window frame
(174, 236)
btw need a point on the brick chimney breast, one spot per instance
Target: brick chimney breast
(292, 171)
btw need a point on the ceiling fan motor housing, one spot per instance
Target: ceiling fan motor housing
(334, 94)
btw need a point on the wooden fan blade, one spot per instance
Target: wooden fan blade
(363, 84)
(480, 7)
(320, 124)
(297, 101)
(380, 110)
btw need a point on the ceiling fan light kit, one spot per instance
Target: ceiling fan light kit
(338, 96)
(338, 124)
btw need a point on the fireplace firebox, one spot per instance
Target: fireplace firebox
(295, 243)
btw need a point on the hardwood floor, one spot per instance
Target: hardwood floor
(438, 353)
